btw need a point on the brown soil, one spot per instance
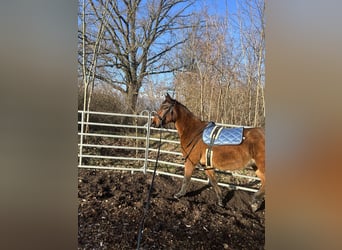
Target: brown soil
(111, 207)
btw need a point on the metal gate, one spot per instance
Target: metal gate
(127, 142)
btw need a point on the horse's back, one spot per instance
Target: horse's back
(254, 135)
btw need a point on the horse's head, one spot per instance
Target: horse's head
(165, 114)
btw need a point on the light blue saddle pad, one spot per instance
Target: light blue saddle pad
(225, 136)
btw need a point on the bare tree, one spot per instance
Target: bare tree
(138, 37)
(227, 55)
(211, 69)
(252, 43)
(89, 66)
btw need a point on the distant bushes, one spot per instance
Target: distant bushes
(104, 100)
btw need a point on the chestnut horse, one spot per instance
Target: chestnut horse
(251, 152)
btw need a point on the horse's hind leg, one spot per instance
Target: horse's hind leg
(258, 196)
(212, 178)
(188, 169)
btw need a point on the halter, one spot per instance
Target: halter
(162, 118)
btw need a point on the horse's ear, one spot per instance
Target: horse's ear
(168, 97)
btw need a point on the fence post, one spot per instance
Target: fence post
(81, 138)
(147, 144)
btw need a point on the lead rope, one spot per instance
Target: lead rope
(147, 205)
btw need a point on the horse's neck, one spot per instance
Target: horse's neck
(188, 126)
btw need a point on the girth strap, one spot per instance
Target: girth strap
(213, 136)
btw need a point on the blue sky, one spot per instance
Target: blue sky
(218, 7)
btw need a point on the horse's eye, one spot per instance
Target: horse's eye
(165, 106)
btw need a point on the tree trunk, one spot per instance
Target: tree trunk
(132, 98)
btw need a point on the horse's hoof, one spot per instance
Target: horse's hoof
(255, 207)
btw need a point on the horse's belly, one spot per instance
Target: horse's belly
(229, 161)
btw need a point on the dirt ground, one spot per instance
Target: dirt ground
(111, 207)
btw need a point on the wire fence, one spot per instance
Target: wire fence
(127, 142)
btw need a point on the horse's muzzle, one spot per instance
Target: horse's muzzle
(155, 122)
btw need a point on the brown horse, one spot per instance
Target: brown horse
(251, 152)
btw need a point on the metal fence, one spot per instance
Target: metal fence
(127, 142)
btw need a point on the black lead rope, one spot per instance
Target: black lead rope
(148, 200)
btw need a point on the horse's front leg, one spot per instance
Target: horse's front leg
(188, 169)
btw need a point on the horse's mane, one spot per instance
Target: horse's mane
(188, 111)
